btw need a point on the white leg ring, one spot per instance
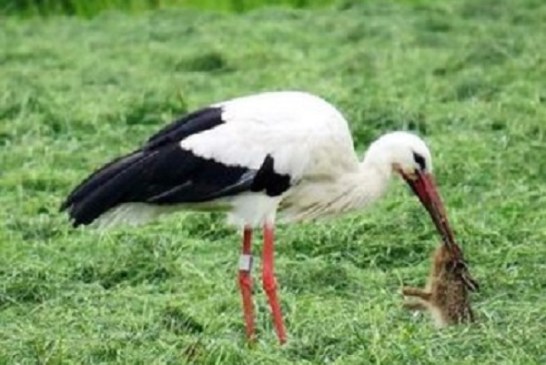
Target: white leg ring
(245, 263)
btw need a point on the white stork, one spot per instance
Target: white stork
(255, 156)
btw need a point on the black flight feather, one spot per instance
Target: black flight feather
(187, 125)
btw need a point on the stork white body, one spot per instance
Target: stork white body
(289, 153)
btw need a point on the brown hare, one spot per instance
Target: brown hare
(446, 294)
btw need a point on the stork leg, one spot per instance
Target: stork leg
(270, 282)
(245, 282)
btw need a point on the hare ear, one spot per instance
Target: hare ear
(469, 282)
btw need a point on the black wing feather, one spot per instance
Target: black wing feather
(176, 175)
(110, 190)
(98, 177)
(181, 128)
(189, 124)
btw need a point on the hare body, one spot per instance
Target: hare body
(446, 295)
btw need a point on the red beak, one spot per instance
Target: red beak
(425, 188)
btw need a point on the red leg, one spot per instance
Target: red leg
(270, 283)
(245, 282)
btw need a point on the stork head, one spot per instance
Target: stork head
(407, 155)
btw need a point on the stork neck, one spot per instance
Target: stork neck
(365, 185)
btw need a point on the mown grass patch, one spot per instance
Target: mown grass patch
(74, 93)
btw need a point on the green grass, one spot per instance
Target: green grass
(85, 8)
(469, 76)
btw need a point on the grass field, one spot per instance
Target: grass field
(85, 8)
(469, 75)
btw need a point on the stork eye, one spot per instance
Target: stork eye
(419, 160)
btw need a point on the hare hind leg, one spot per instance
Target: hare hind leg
(414, 305)
(416, 292)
